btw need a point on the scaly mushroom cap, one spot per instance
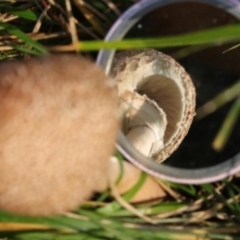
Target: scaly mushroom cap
(166, 86)
(58, 126)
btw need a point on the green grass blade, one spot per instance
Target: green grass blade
(132, 192)
(208, 188)
(26, 49)
(218, 35)
(226, 129)
(158, 209)
(188, 189)
(58, 222)
(22, 13)
(49, 236)
(220, 100)
(24, 37)
(111, 208)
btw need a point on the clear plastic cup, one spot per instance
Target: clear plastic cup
(122, 27)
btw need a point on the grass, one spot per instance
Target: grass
(209, 211)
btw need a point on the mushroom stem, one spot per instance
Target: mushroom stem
(144, 123)
(143, 139)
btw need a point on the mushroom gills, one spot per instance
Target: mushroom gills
(144, 123)
(165, 93)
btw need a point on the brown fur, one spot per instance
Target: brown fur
(58, 126)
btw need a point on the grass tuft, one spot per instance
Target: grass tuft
(209, 211)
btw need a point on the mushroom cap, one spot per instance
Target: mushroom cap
(159, 77)
(58, 125)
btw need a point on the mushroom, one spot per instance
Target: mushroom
(58, 125)
(157, 101)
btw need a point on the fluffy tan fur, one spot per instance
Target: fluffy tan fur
(58, 126)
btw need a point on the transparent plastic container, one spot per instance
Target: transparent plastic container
(129, 25)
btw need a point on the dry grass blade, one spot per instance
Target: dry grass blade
(62, 23)
(112, 6)
(128, 206)
(40, 19)
(232, 48)
(85, 29)
(35, 36)
(71, 27)
(201, 216)
(189, 208)
(227, 127)
(57, 18)
(8, 18)
(168, 190)
(22, 226)
(221, 99)
(5, 48)
(93, 10)
(81, 5)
